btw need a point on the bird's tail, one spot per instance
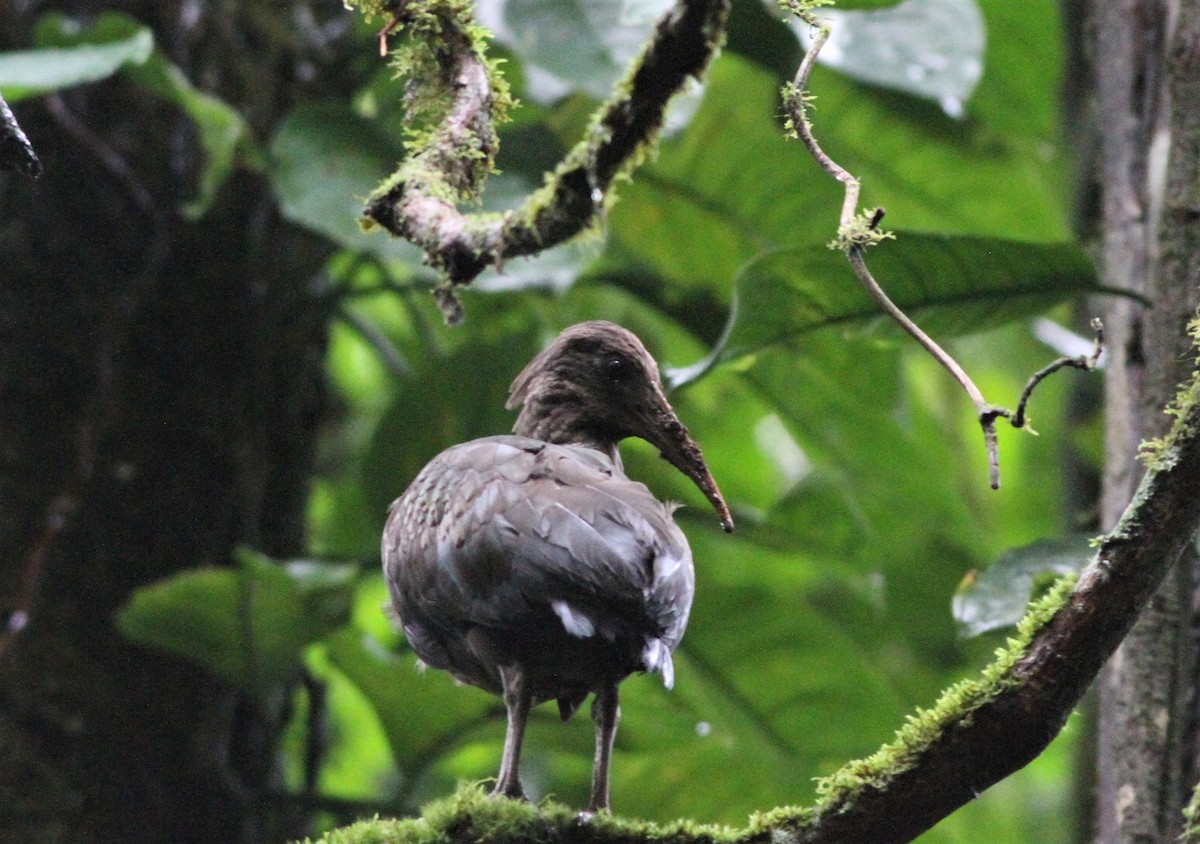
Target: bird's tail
(657, 657)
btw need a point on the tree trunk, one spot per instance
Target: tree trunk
(162, 387)
(1145, 64)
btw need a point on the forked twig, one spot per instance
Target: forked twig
(857, 231)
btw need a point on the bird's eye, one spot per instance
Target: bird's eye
(616, 368)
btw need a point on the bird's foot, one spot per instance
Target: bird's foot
(586, 816)
(512, 791)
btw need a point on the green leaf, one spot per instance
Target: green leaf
(324, 160)
(249, 625)
(422, 712)
(715, 199)
(931, 48)
(847, 405)
(579, 45)
(998, 597)
(29, 73)
(223, 131)
(949, 286)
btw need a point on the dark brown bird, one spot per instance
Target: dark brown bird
(531, 566)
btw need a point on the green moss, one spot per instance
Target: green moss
(1191, 819)
(804, 9)
(470, 814)
(1159, 453)
(798, 103)
(447, 162)
(371, 9)
(954, 706)
(784, 817)
(860, 231)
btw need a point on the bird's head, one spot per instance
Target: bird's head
(596, 384)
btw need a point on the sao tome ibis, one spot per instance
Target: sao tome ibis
(530, 566)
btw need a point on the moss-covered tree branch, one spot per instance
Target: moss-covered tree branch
(420, 202)
(981, 730)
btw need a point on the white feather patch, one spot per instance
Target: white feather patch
(657, 657)
(482, 506)
(575, 622)
(666, 565)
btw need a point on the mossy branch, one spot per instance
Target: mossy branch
(978, 733)
(859, 230)
(447, 165)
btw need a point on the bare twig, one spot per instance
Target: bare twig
(16, 153)
(1085, 362)
(388, 354)
(858, 231)
(420, 201)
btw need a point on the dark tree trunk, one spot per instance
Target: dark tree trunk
(161, 389)
(1144, 59)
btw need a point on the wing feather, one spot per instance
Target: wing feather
(495, 530)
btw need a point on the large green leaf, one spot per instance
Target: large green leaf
(930, 48)
(422, 712)
(29, 73)
(949, 285)
(998, 597)
(584, 45)
(248, 625)
(116, 42)
(323, 161)
(715, 199)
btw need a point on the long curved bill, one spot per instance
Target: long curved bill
(672, 439)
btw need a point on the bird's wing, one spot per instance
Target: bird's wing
(496, 529)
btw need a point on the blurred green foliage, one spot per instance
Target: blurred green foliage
(854, 466)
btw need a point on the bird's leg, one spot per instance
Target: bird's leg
(606, 712)
(518, 697)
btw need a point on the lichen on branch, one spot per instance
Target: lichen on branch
(462, 98)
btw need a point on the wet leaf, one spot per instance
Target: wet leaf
(998, 597)
(248, 625)
(323, 161)
(28, 73)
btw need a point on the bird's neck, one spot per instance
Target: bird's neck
(564, 420)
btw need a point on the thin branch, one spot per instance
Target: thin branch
(16, 152)
(420, 201)
(858, 231)
(1085, 362)
(108, 158)
(388, 354)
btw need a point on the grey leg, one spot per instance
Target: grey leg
(606, 712)
(517, 700)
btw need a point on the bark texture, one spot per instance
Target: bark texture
(161, 387)
(1144, 61)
